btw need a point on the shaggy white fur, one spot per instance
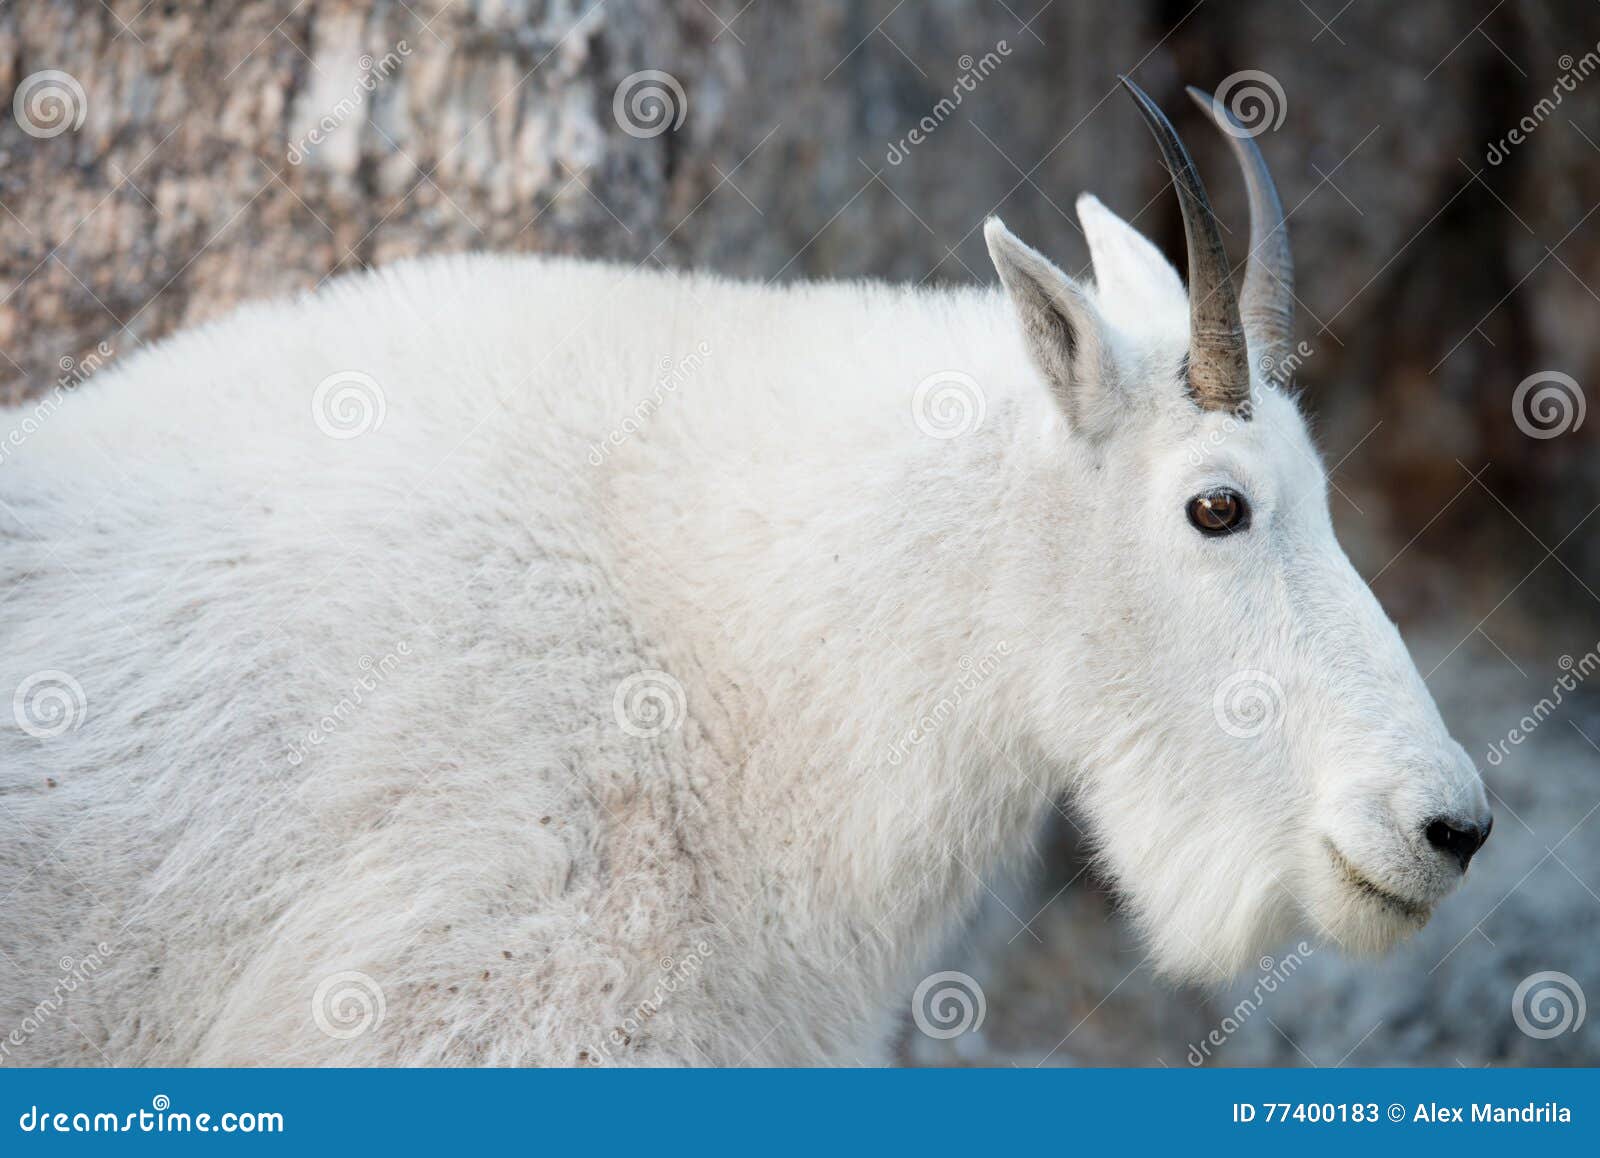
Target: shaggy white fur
(494, 660)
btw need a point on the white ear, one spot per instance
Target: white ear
(1062, 330)
(1135, 284)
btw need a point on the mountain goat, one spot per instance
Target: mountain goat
(504, 661)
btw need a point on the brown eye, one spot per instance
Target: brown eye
(1219, 512)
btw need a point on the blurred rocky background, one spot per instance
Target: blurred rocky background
(162, 161)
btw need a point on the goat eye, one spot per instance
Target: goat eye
(1219, 512)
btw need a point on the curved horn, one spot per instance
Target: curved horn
(1219, 367)
(1267, 304)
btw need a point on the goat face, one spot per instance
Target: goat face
(1257, 752)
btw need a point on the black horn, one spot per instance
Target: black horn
(1219, 370)
(1266, 306)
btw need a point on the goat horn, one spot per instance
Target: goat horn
(1219, 366)
(1266, 305)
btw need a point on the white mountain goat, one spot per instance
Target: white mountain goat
(493, 660)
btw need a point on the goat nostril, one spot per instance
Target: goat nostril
(1461, 839)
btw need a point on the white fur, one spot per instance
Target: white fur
(482, 840)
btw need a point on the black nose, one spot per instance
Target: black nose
(1459, 838)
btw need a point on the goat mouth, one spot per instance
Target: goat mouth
(1366, 886)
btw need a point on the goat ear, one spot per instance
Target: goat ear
(1060, 325)
(1136, 284)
